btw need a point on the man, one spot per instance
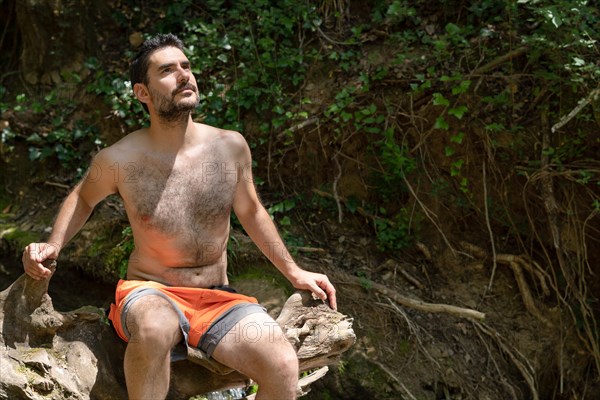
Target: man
(179, 181)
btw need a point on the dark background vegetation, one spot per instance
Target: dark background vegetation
(432, 140)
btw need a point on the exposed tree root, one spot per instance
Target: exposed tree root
(518, 360)
(571, 267)
(517, 265)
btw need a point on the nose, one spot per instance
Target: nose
(184, 74)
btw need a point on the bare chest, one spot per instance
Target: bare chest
(182, 197)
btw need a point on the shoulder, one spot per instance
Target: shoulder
(232, 140)
(223, 135)
(123, 151)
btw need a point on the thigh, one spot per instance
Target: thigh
(254, 343)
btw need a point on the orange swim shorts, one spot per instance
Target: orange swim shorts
(205, 315)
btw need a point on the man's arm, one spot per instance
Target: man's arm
(261, 229)
(73, 213)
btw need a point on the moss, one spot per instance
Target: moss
(261, 271)
(97, 248)
(16, 237)
(117, 259)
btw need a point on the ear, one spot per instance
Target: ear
(141, 92)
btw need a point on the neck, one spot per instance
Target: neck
(171, 134)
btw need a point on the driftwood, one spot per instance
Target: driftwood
(77, 355)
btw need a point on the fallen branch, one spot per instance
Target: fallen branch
(593, 96)
(58, 185)
(419, 304)
(304, 124)
(304, 249)
(392, 264)
(501, 60)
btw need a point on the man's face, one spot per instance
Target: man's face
(171, 84)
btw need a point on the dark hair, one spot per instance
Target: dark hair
(138, 69)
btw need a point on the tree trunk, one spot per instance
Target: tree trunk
(57, 36)
(77, 355)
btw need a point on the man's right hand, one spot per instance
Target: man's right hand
(33, 256)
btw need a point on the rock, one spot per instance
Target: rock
(136, 39)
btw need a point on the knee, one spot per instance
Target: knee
(279, 377)
(283, 361)
(288, 362)
(157, 330)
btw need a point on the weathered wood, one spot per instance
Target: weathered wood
(77, 355)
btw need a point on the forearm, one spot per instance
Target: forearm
(72, 215)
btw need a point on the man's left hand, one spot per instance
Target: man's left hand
(318, 284)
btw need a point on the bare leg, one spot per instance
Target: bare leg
(154, 328)
(258, 349)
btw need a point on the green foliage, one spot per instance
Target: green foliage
(396, 160)
(118, 258)
(117, 94)
(280, 213)
(247, 55)
(365, 282)
(252, 389)
(64, 143)
(394, 234)
(282, 207)
(59, 133)
(453, 112)
(568, 28)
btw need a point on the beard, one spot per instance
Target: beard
(172, 111)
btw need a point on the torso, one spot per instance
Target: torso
(179, 208)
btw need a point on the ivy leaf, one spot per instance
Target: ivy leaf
(440, 123)
(458, 112)
(440, 100)
(456, 166)
(462, 87)
(34, 153)
(458, 138)
(452, 29)
(346, 116)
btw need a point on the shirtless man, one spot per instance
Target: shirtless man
(179, 181)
